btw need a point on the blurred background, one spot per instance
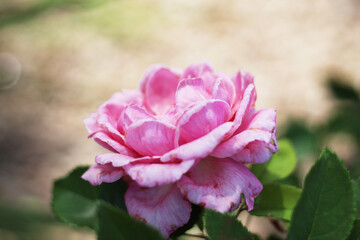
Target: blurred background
(60, 59)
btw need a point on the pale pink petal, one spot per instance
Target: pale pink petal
(218, 184)
(133, 114)
(159, 86)
(105, 141)
(117, 160)
(224, 90)
(261, 120)
(98, 174)
(241, 81)
(91, 123)
(150, 137)
(201, 119)
(162, 207)
(238, 142)
(114, 107)
(189, 91)
(156, 174)
(200, 147)
(202, 70)
(255, 152)
(243, 110)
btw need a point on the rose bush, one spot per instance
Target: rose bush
(183, 138)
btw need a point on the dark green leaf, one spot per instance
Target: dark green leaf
(195, 217)
(326, 207)
(114, 193)
(224, 227)
(277, 201)
(341, 90)
(281, 165)
(356, 184)
(116, 224)
(74, 199)
(355, 232)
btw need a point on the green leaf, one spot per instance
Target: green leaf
(356, 184)
(355, 232)
(116, 224)
(74, 199)
(326, 206)
(281, 165)
(195, 217)
(224, 227)
(276, 201)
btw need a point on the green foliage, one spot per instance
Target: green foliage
(197, 213)
(326, 206)
(356, 184)
(13, 16)
(355, 232)
(224, 227)
(303, 137)
(341, 90)
(281, 165)
(114, 223)
(277, 201)
(74, 199)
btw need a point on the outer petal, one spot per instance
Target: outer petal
(162, 207)
(200, 147)
(116, 160)
(98, 174)
(218, 184)
(264, 119)
(157, 174)
(239, 142)
(189, 91)
(105, 141)
(150, 137)
(256, 152)
(201, 119)
(159, 86)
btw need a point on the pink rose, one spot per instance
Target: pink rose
(184, 137)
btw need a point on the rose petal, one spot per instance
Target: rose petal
(218, 184)
(156, 174)
(98, 174)
(150, 137)
(256, 152)
(224, 90)
(190, 91)
(200, 147)
(159, 86)
(243, 110)
(238, 142)
(105, 141)
(241, 82)
(161, 207)
(200, 120)
(264, 119)
(133, 114)
(202, 70)
(116, 160)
